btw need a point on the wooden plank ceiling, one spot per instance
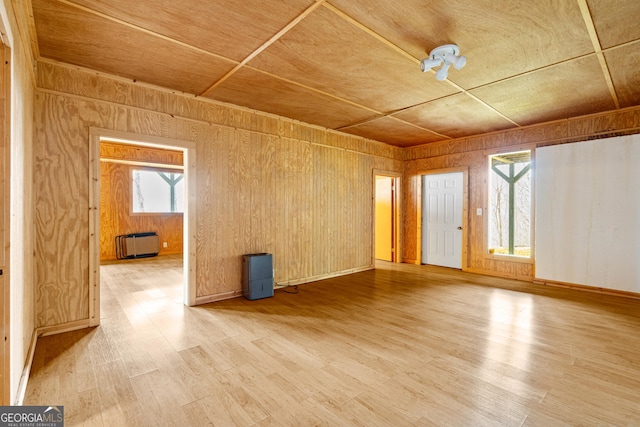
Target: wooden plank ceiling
(353, 65)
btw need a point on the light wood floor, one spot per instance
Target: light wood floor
(402, 345)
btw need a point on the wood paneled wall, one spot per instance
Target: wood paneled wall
(116, 216)
(309, 205)
(20, 277)
(472, 153)
(264, 184)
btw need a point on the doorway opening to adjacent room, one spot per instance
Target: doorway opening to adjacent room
(386, 218)
(444, 219)
(131, 176)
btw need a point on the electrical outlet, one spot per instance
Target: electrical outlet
(164, 244)
(479, 211)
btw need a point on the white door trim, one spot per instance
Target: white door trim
(189, 250)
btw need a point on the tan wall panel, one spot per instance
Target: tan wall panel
(116, 217)
(62, 221)
(264, 184)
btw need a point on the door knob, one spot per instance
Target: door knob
(459, 228)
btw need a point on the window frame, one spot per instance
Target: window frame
(487, 204)
(152, 169)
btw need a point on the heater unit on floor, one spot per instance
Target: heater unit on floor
(137, 245)
(257, 276)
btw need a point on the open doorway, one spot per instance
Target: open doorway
(141, 228)
(181, 246)
(386, 241)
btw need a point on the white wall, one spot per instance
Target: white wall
(588, 213)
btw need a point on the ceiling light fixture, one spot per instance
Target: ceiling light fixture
(447, 55)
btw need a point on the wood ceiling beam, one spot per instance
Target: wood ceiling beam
(595, 40)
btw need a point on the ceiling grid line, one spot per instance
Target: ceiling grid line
(398, 120)
(595, 40)
(398, 49)
(308, 11)
(355, 104)
(387, 42)
(238, 65)
(265, 45)
(372, 33)
(144, 30)
(321, 92)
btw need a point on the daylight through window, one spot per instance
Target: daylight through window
(157, 191)
(510, 204)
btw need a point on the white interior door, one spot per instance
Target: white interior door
(442, 219)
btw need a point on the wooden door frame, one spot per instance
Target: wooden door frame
(189, 245)
(6, 225)
(397, 237)
(465, 211)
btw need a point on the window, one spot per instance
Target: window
(510, 204)
(157, 191)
